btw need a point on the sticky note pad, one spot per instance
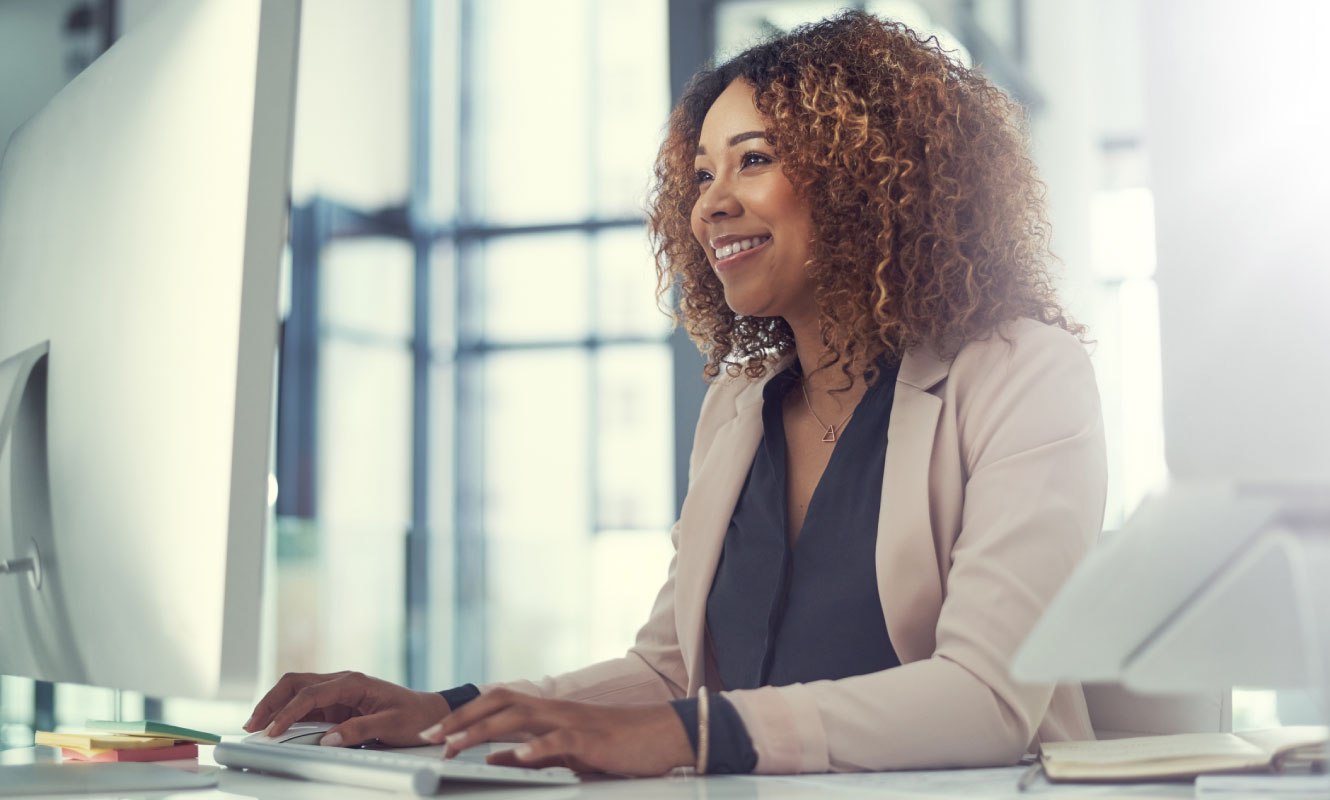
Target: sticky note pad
(151, 728)
(100, 741)
(175, 753)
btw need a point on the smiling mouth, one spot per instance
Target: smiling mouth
(731, 251)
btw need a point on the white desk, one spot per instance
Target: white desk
(989, 783)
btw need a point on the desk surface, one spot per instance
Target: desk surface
(981, 783)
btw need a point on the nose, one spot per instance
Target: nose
(718, 201)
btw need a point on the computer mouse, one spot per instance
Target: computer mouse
(298, 733)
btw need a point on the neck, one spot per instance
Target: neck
(810, 349)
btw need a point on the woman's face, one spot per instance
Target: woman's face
(748, 219)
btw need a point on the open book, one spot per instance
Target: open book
(1183, 756)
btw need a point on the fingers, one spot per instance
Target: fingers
(514, 718)
(279, 695)
(626, 740)
(359, 730)
(560, 745)
(491, 715)
(347, 689)
(506, 758)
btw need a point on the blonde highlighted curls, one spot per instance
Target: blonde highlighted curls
(928, 216)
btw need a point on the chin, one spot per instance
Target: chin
(746, 306)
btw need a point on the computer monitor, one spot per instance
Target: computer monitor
(1220, 580)
(142, 221)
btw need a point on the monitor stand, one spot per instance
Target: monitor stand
(44, 646)
(17, 375)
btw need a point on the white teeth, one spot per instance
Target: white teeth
(740, 246)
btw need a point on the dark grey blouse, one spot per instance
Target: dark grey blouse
(778, 614)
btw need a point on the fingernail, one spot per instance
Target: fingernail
(429, 733)
(522, 751)
(453, 739)
(249, 723)
(331, 740)
(268, 730)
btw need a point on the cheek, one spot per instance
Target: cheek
(792, 209)
(795, 215)
(699, 230)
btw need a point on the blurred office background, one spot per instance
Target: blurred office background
(484, 421)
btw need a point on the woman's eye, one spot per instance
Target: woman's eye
(751, 159)
(702, 176)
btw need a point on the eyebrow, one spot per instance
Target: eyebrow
(735, 139)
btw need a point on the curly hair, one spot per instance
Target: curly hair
(928, 217)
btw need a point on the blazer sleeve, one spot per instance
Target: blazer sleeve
(1032, 444)
(652, 671)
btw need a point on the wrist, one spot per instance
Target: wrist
(679, 747)
(434, 704)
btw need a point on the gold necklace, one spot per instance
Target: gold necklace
(829, 431)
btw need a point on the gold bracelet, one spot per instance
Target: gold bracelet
(703, 729)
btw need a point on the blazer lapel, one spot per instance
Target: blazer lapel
(705, 518)
(909, 582)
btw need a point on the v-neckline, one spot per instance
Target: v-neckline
(781, 465)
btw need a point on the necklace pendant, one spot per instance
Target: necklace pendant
(830, 436)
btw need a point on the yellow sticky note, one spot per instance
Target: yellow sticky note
(100, 741)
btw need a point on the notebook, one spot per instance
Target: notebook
(1184, 756)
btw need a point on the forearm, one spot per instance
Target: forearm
(927, 715)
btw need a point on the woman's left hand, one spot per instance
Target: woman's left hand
(624, 740)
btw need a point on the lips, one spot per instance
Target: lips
(730, 246)
(737, 250)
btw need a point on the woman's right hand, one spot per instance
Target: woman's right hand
(366, 708)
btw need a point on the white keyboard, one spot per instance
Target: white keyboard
(376, 769)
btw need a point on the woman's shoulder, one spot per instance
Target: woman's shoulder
(728, 395)
(1026, 370)
(1017, 345)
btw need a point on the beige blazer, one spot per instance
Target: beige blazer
(993, 490)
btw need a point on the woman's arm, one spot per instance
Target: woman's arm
(1032, 441)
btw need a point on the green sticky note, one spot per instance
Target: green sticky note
(150, 728)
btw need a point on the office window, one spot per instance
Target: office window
(554, 286)
(364, 506)
(17, 711)
(535, 288)
(367, 290)
(625, 286)
(537, 515)
(632, 459)
(630, 92)
(743, 23)
(530, 136)
(353, 103)
(1127, 353)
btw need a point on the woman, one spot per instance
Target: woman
(899, 461)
